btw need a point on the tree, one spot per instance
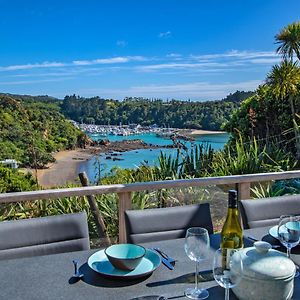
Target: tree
(289, 41)
(284, 80)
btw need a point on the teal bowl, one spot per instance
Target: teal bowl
(125, 256)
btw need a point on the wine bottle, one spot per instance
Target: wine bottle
(232, 233)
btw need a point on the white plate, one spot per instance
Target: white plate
(100, 264)
(273, 231)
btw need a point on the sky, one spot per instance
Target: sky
(182, 49)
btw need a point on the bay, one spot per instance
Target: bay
(134, 158)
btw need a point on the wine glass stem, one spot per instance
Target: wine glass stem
(288, 252)
(226, 294)
(196, 275)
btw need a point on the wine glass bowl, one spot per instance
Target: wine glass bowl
(227, 269)
(289, 232)
(196, 248)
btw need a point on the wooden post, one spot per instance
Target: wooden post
(243, 190)
(101, 228)
(124, 204)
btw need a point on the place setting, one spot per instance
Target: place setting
(125, 261)
(118, 265)
(249, 272)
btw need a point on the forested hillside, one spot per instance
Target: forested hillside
(272, 114)
(30, 131)
(180, 114)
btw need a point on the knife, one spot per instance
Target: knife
(164, 260)
(167, 263)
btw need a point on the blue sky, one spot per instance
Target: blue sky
(192, 49)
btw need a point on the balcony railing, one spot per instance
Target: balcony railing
(124, 191)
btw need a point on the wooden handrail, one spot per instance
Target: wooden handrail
(124, 191)
(141, 186)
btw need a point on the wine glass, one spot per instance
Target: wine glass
(227, 269)
(196, 248)
(289, 233)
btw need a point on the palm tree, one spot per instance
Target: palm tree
(289, 41)
(284, 80)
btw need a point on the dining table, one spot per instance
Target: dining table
(51, 276)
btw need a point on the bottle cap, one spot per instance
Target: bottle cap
(232, 199)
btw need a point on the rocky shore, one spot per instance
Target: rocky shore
(105, 146)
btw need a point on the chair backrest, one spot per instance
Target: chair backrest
(43, 236)
(267, 211)
(157, 224)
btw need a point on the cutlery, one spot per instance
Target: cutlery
(164, 259)
(169, 258)
(256, 240)
(77, 273)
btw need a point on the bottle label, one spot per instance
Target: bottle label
(226, 256)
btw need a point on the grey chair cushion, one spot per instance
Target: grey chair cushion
(42, 236)
(267, 211)
(166, 223)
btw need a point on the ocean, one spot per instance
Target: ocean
(132, 159)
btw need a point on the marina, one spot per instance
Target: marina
(123, 130)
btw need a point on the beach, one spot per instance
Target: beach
(195, 132)
(64, 170)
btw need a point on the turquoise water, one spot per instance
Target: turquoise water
(132, 159)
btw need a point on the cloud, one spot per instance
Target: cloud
(164, 35)
(32, 66)
(122, 43)
(174, 55)
(25, 82)
(231, 60)
(112, 60)
(227, 59)
(169, 66)
(237, 54)
(266, 61)
(99, 61)
(193, 90)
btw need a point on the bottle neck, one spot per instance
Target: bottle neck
(232, 211)
(232, 202)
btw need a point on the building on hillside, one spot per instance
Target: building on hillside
(10, 163)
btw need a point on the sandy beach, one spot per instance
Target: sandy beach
(196, 132)
(64, 169)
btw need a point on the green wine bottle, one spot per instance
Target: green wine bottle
(232, 232)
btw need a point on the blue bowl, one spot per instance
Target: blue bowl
(125, 256)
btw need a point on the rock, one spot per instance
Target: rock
(104, 142)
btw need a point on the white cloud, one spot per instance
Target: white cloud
(237, 54)
(179, 66)
(170, 61)
(112, 60)
(174, 55)
(165, 35)
(32, 66)
(266, 61)
(231, 60)
(25, 82)
(193, 90)
(122, 43)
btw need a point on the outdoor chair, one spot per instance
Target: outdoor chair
(267, 211)
(43, 236)
(158, 224)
